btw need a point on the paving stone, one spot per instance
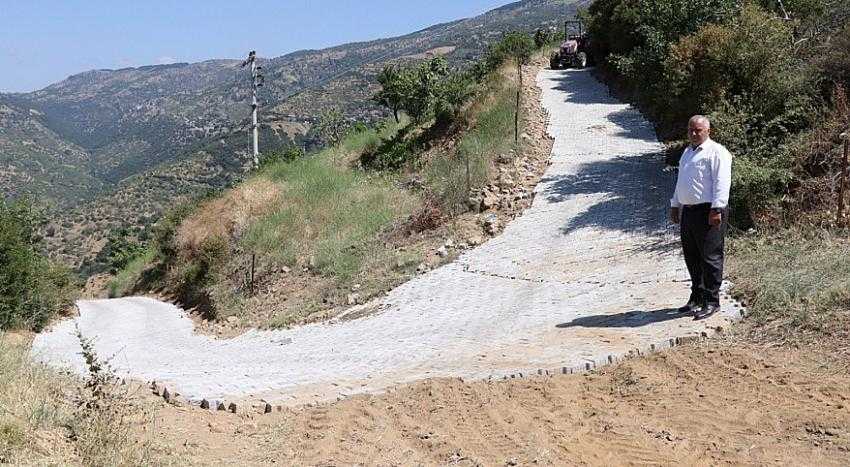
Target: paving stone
(590, 269)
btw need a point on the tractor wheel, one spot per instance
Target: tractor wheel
(582, 60)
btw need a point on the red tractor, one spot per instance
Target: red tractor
(573, 52)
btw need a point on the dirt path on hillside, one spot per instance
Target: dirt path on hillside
(710, 404)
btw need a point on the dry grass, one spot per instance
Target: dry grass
(227, 216)
(47, 418)
(328, 216)
(796, 285)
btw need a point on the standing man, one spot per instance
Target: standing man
(699, 205)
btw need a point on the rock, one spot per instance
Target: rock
(221, 407)
(491, 224)
(356, 287)
(205, 404)
(450, 243)
(506, 182)
(422, 268)
(166, 395)
(267, 408)
(232, 407)
(285, 270)
(489, 201)
(475, 203)
(442, 252)
(232, 319)
(353, 298)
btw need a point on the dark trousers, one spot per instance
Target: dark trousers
(703, 247)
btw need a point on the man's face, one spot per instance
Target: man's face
(698, 131)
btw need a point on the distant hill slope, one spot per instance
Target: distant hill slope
(105, 132)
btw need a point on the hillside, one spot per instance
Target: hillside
(123, 127)
(36, 161)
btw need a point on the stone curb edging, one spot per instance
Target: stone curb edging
(265, 407)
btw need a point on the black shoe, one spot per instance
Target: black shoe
(706, 311)
(691, 307)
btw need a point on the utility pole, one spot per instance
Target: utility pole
(256, 82)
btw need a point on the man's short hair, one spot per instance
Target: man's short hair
(701, 118)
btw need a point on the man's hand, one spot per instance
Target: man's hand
(674, 215)
(715, 218)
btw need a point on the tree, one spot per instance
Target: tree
(430, 89)
(120, 249)
(396, 88)
(331, 127)
(543, 36)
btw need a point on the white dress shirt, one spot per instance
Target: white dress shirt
(705, 176)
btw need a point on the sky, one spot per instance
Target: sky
(45, 41)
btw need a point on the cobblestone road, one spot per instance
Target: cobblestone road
(591, 270)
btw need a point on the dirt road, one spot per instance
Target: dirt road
(711, 404)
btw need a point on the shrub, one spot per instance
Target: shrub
(32, 289)
(130, 274)
(289, 154)
(544, 37)
(120, 249)
(332, 127)
(390, 154)
(737, 62)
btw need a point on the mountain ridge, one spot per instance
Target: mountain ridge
(130, 123)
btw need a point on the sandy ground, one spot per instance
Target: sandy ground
(707, 404)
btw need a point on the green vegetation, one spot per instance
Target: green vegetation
(334, 217)
(775, 89)
(32, 289)
(129, 274)
(332, 127)
(763, 80)
(328, 214)
(430, 90)
(478, 147)
(797, 284)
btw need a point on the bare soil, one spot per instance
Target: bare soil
(706, 404)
